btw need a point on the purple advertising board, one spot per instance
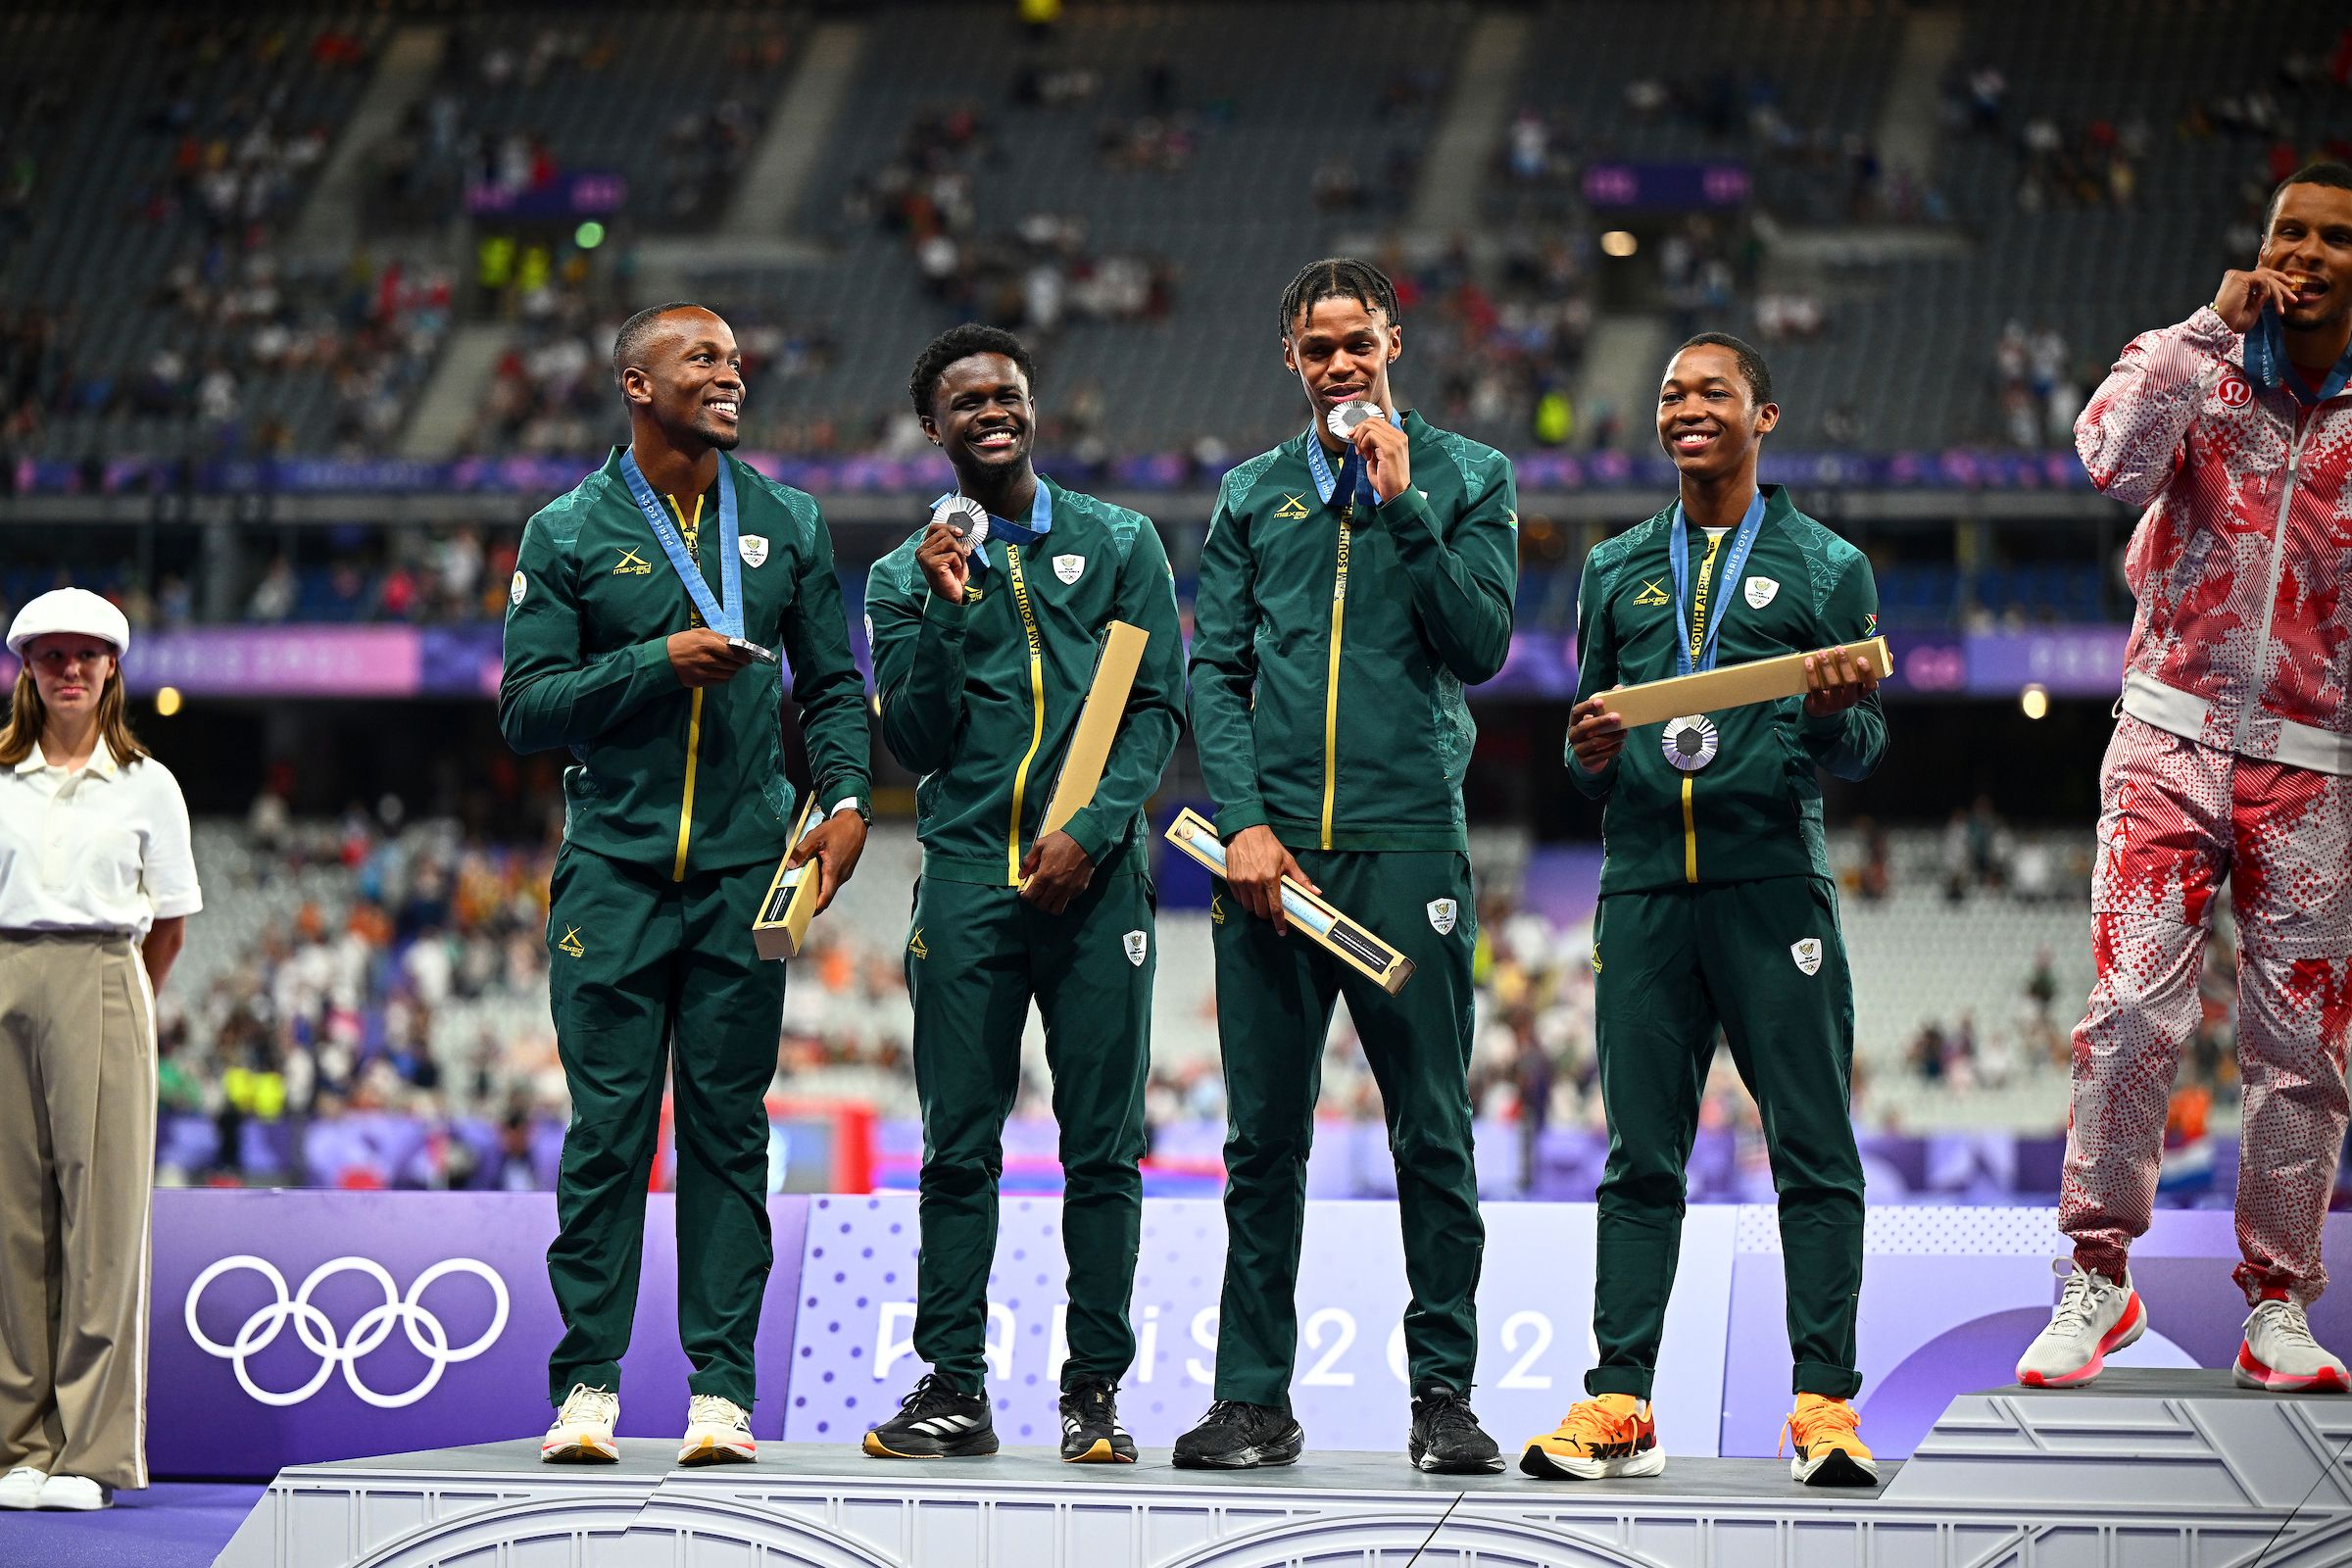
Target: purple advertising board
(288, 1327)
(1950, 1296)
(292, 1327)
(854, 1356)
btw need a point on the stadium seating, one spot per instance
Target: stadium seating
(192, 153)
(627, 90)
(1283, 91)
(1911, 343)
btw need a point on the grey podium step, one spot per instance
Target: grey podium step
(2144, 1467)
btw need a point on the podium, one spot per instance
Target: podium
(2141, 1467)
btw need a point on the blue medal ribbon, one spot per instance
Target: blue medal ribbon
(2267, 363)
(723, 615)
(1040, 523)
(1352, 474)
(1678, 550)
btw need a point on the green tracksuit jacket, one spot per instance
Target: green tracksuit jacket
(980, 697)
(1330, 653)
(667, 778)
(1754, 811)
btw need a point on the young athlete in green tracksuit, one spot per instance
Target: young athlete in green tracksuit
(984, 652)
(1717, 907)
(676, 811)
(1348, 592)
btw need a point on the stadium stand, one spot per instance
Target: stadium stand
(341, 970)
(2102, 191)
(1130, 187)
(152, 304)
(671, 100)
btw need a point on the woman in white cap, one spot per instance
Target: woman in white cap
(96, 885)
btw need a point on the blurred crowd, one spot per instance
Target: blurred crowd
(464, 136)
(1034, 276)
(219, 175)
(355, 976)
(2067, 159)
(387, 977)
(1816, 171)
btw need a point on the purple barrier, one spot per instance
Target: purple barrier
(1950, 1296)
(301, 1326)
(853, 1357)
(298, 1326)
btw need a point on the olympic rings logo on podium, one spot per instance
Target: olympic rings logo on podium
(317, 1333)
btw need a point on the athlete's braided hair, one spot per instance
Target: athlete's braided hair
(1337, 277)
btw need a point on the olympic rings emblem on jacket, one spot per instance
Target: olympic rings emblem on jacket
(318, 1334)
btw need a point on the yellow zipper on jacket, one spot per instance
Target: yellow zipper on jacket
(1699, 649)
(694, 715)
(1330, 684)
(1037, 709)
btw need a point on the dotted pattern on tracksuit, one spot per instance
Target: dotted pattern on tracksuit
(2177, 818)
(2237, 606)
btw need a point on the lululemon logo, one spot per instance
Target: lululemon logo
(317, 1333)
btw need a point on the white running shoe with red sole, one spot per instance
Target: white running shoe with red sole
(2279, 1354)
(719, 1431)
(583, 1428)
(2096, 1316)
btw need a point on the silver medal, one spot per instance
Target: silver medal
(1689, 742)
(966, 516)
(1344, 419)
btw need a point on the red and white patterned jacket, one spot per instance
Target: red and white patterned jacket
(2243, 637)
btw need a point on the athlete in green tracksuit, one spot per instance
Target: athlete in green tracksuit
(1717, 907)
(676, 811)
(984, 653)
(1348, 592)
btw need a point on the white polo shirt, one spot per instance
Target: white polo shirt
(102, 848)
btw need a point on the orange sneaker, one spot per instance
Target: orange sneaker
(1607, 1434)
(1830, 1450)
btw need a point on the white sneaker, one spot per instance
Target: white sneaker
(77, 1493)
(2095, 1316)
(719, 1431)
(20, 1487)
(2279, 1353)
(583, 1428)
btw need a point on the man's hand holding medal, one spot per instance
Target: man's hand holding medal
(1384, 446)
(958, 526)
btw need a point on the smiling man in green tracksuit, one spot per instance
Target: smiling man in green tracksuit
(676, 811)
(1717, 909)
(984, 652)
(1348, 591)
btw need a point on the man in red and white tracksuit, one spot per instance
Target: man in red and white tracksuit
(2231, 760)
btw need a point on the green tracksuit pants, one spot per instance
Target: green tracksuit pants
(1275, 994)
(647, 974)
(1763, 960)
(975, 959)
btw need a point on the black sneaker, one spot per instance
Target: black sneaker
(1239, 1436)
(936, 1420)
(1091, 1433)
(1447, 1438)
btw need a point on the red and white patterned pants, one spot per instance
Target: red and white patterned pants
(2178, 817)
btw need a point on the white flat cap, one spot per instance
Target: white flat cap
(69, 610)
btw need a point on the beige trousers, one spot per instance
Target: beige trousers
(76, 1179)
